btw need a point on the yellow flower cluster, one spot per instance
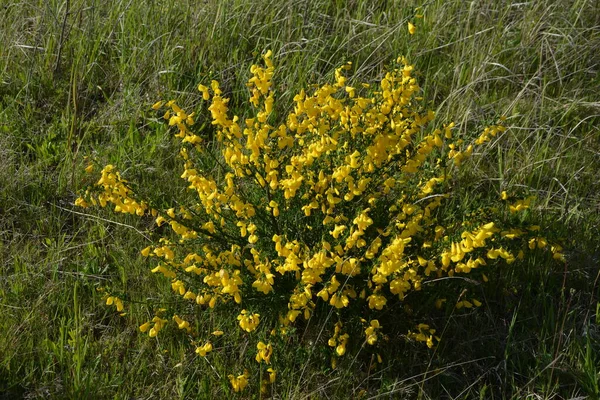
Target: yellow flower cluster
(371, 332)
(182, 324)
(154, 326)
(336, 202)
(339, 340)
(248, 321)
(116, 192)
(264, 352)
(239, 383)
(424, 334)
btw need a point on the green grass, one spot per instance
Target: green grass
(77, 79)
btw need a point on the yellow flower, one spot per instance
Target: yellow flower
(144, 327)
(337, 231)
(146, 251)
(248, 322)
(520, 205)
(411, 28)
(341, 347)
(264, 352)
(203, 350)
(181, 324)
(371, 332)
(339, 300)
(113, 300)
(80, 202)
(204, 90)
(376, 301)
(240, 382)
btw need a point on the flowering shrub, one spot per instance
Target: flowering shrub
(339, 204)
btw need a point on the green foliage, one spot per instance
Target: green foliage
(78, 77)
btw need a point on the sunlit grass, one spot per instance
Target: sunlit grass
(534, 62)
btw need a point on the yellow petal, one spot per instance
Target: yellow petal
(411, 28)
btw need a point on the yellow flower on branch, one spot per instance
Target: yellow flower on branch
(264, 352)
(248, 321)
(239, 382)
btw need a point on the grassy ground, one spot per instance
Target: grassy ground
(77, 79)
